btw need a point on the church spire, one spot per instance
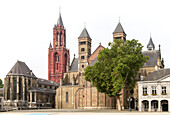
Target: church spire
(50, 46)
(84, 33)
(60, 22)
(150, 45)
(119, 33)
(119, 28)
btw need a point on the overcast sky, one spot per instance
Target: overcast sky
(26, 27)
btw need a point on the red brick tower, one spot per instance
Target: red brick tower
(58, 55)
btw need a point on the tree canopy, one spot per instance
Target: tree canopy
(1, 84)
(117, 66)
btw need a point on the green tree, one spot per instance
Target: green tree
(1, 85)
(117, 67)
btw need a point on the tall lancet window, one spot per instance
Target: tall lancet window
(57, 39)
(60, 39)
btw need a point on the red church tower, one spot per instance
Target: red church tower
(58, 55)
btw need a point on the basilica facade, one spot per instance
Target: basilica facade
(75, 92)
(66, 87)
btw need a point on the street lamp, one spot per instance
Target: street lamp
(129, 99)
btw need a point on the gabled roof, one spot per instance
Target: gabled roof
(20, 68)
(84, 34)
(153, 56)
(119, 28)
(47, 82)
(156, 75)
(94, 61)
(95, 53)
(74, 65)
(151, 45)
(60, 22)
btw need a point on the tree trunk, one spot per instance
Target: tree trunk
(119, 104)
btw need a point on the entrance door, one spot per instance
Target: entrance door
(132, 103)
(165, 107)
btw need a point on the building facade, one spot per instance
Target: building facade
(23, 90)
(154, 91)
(58, 54)
(76, 92)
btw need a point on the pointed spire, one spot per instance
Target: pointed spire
(119, 28)
(151, 45)
(50, 46)
(159, 51)
(60, 22)
(84, 33)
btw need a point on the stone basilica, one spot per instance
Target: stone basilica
(74, 91)
(66, 87)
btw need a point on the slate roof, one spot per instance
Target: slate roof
(119, 28)
(150, 45)
(60, 22)
(74, 65)
(20, 68)
(156, 75)
(153, 56)
(93, 62)
(41, 90)
(47, 82)
(84, 34)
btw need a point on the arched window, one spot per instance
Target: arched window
(58, 58)
(8, 89)
(66, 96)
(20, 88)
(60, 39)
(15, 88)
(57, 66)
(25, 89)
(57, 39)
(55, 56)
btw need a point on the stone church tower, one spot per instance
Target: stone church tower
(119, 33)
(58, 54)
(84, 52)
